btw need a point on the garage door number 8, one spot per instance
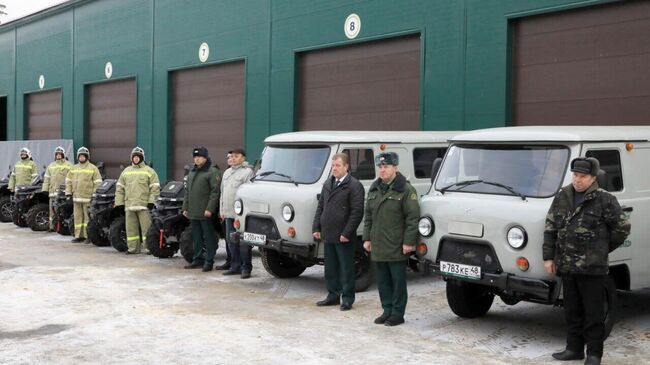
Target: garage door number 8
(352, 26)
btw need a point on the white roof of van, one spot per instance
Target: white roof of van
(362, 137)
(556, 134)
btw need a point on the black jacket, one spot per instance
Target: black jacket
(340, 210)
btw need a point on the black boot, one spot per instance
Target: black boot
(567, 355)
(194, 265)
(592, 360)
(382, 319)
(225, 266)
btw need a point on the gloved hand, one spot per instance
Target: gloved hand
(151, 206)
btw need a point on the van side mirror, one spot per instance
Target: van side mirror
(435, 167)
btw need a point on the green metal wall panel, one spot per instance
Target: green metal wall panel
(119, 32)
(7, 78)
(464, 50)
(233, 30)
(45, 48)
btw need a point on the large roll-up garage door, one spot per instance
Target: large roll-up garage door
(368, 86)
(43, 115)
(208, 110)
(585, 66)
(111, 111)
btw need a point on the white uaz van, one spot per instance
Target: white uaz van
(482, 224)
(276, 210)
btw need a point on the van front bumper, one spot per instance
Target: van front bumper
(306, 250)
(533, 290)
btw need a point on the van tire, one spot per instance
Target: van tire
(468, 300)
(363, 273)
(117, 234)
(38, 217)
(6, 208)
(96, 234)
(611, 303)
(153, 243)
(279, 265)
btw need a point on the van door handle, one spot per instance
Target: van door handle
(627, 209)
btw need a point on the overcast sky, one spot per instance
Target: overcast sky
(20, 8)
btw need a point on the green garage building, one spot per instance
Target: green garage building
(170, 74)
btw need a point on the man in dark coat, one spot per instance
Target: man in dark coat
(200, 204)
(390, 233)
(339, 213)
(583, 225)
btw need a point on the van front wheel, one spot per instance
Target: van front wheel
(468, 300)
(279, 265)
(610, 304)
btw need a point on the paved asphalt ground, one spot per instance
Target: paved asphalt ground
(65, 303)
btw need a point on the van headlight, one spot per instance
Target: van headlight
(287, 212)
(425, 227)
(517, 237)
(238, 206)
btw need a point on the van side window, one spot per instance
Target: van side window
(610, 162)
(423, 160)
(362, 165)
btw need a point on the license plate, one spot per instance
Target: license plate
(465, 271)
(254, 237)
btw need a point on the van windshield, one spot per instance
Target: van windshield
(293, 164)
(521, 170)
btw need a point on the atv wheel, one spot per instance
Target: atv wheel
(38, 217)
(96, 234)
(6, 208)
(117, 234)
(187, 245)
(18, 218)
(166, 249)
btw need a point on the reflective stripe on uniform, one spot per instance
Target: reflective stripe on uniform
(80, 225)
(83, 171)
(136, 207)
(154, 184)
(135, 172)
(81, 200)
(120, 184)
(98, 181)
(133, 238)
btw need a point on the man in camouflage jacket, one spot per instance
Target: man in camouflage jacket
(584, 224)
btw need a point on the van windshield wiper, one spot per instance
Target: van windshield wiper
(460, 184)
(463, 184)
(267, 173)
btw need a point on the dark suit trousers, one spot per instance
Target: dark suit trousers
(339, 270)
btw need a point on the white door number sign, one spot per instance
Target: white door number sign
(352, 26)
(108, 70)
(41, 82)
(204, 52)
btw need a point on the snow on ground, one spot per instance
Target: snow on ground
(65, 303)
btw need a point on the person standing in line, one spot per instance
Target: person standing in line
(583, 225)
(80, 184)
(24, 170)
(54, 177)
(225, 265)
(338, 215)
(137, 190)
(199, 205)
(390, 233)
(239, 172)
